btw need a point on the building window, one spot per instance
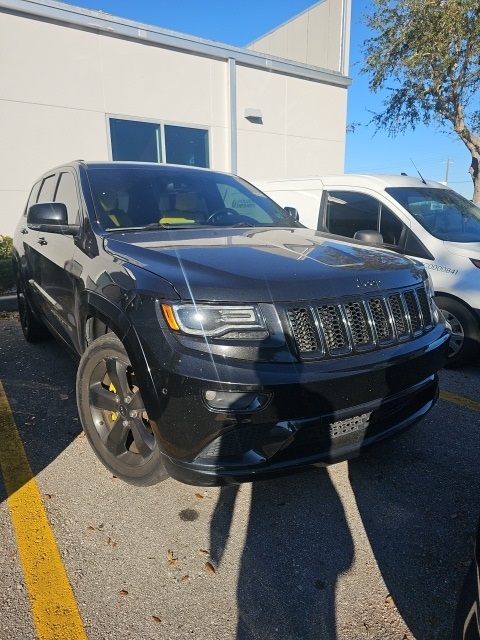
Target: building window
(153, 142)
(185, 145)
(134, 140)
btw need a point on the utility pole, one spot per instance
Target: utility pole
(447, 171)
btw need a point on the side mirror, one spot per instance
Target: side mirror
(293, 212)
(50, 217)
(368, 235)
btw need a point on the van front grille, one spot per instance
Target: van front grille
(355, 326)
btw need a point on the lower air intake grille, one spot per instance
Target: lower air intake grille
(359, 325)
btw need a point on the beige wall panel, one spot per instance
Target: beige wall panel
(12, 205)
(49, 64)
(220, 149)
(257, 89)
(334, 36)
(152, 82)
(320, 32)
(267, 156)
(313, 37)
(273, 44)
(306, 157)
(297, 31)
(315, 110)
(36, 138)
(260, 155)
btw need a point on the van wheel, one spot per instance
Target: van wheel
(465, 339)
(33, 330)
(113, 414)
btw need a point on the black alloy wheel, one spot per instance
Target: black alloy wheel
(113, 414)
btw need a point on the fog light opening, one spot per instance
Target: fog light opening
(236, 401)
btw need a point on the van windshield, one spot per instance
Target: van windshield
(442, 212)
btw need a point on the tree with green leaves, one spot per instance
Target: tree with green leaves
(426, 54)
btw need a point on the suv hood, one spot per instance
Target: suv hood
(261, 265)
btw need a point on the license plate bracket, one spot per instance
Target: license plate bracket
(344, 427)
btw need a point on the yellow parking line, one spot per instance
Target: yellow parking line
(460, 400)
(54, 608)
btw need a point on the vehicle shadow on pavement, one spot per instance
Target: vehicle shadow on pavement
(418, 500)
(297, 544)
(39, 380)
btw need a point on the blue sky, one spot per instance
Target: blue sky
(239, 23)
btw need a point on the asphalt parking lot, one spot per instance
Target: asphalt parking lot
(375, 548)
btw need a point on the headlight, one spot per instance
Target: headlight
(430, 291)
(229, 322)
(429, 286)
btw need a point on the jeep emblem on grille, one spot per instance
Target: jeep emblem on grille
(369, 284)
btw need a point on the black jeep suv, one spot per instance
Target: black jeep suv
(219, 340)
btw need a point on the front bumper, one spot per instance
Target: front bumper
(318, 413)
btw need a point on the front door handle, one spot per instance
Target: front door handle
(42, 241)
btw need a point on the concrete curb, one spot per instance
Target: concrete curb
(8, 303)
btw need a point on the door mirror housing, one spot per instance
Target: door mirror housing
(368, 235)
(293, 212)
(50, 217)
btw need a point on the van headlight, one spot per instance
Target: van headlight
(229, 322)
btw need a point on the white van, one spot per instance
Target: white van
(419, 218)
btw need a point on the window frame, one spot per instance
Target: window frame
(74, 184)
(161, 124)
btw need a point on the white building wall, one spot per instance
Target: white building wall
(60, 81)
(297, 135)
(57, 83)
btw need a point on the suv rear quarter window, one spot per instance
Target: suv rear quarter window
(47, 189)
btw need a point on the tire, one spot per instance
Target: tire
(33, 329)
(464, 345)
(113, 414)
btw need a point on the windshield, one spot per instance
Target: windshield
(167, 197)
(442, 212)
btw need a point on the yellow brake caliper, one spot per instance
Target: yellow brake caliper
(111, 388)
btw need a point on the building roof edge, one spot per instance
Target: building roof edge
(123, 27)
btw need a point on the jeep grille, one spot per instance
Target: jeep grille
(354, 326)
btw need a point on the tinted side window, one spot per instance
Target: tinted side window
(47, 189)
(349, 212)
(67, 193)
(391, 227)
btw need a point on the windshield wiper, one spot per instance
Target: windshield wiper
(154, 225)
(241, 224)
